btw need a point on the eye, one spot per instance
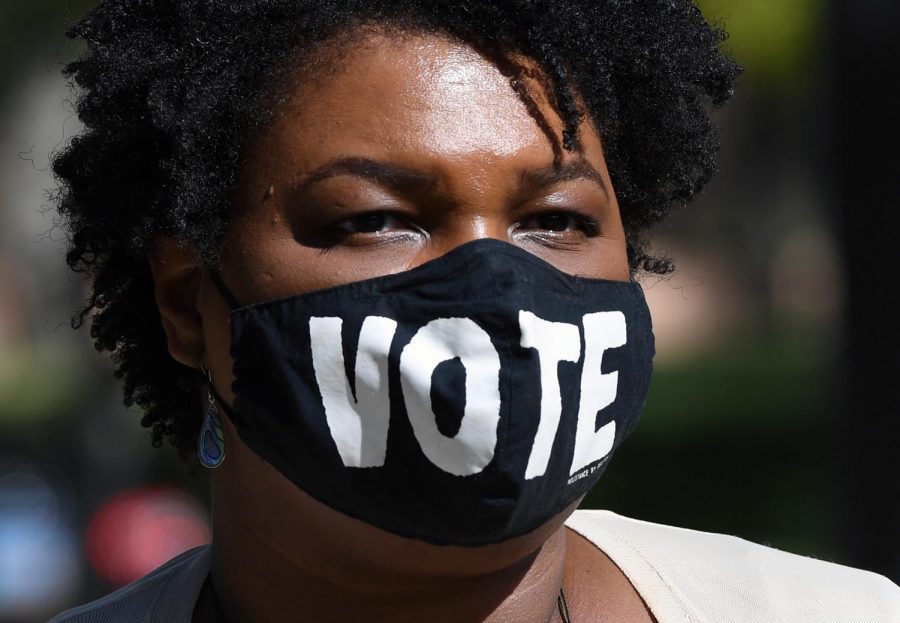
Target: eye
(375, 227)
(555, 222)
(560, 222)
(372, 223)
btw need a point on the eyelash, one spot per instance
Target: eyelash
(588, 226)
(340, 228)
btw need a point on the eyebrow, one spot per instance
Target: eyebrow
(535, 179)
(395, 177)
(406, 180)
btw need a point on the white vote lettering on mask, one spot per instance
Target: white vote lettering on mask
(602, 331)
(554, 342)
(445, 339)
(359, 425)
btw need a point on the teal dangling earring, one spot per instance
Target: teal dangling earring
(211, 444)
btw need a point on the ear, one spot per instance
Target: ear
(177, 273)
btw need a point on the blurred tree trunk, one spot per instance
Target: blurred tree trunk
(865, 48)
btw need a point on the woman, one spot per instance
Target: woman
(372, 262)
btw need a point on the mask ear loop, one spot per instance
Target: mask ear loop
(233, 303)
(211, 442)
(224, 291)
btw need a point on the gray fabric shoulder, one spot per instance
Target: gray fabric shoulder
(161, 595)
(686, 576)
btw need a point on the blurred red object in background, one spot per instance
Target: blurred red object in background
(138, 530)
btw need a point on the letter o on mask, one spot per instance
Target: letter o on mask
(445, 339)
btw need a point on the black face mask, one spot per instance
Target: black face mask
(464, 402)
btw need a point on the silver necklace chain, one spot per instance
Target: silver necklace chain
(563, 606)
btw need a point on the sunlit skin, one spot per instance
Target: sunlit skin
(404, 148)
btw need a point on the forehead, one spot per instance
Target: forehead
(420, 97)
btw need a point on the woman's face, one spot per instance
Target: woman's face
(401, 149)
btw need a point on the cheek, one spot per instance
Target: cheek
(606, 258)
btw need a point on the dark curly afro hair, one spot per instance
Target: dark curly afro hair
(169, 89)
